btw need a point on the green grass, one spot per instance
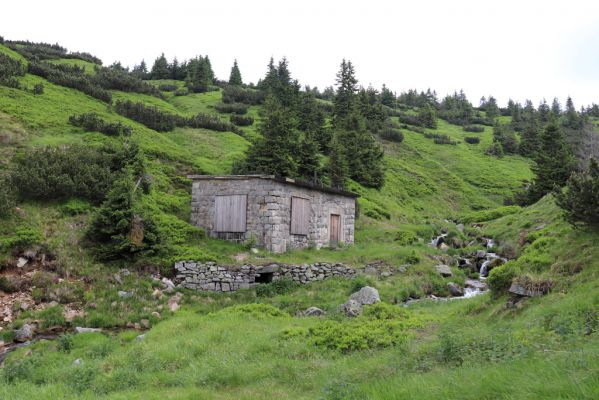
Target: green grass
(477, 348)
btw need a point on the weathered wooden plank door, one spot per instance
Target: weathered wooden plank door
(230, 213)
(335, 228)
(300, 216)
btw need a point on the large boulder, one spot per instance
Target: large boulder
(524, 291)
(366, 296)
(443, 270)
(80, 329)
(24, 334)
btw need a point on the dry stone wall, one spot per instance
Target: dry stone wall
(212, 277)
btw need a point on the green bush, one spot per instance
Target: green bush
(277, 287)
(381, 325)
(359, 282)
(75, 207)
(500, 278)
(405, 238)
(23, 237)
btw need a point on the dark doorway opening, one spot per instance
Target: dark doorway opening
(264, 277)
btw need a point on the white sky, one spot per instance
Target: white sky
(519, 49)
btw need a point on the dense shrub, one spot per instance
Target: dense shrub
(38, 88)
(182, 92)
(70, 76)
(440, 138)
(392, 135)
(61, 173)
(241, 120)
(168, 87)
(10, 69)
(91, 122)
(23, 237)
(237, 94)
(416, 129)
(212, 122)
(149, 116)
(382, 325)
(45, 51)
(120, 79)
(410, 119)
(473, 128)
(472, 140)
(405, 238)
(500, 278)
(235, 108)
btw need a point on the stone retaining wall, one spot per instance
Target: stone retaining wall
(220, 278)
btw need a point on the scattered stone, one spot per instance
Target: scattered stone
(444, 247)
(145, 323)
(126, 294)
(21, 262)
(70, 315)
(313, 312)
(125, 272)
(114, 304)
(173, 302)
(24, 334)
(80, 329)
(366, 296)
(157, 293)
(352, 308)
(521, 290)
(481, 254)
(139, 338)
(156, 314)
(77, 362)
(444, 270)
(460, 227)
(117, 278)
(454, 289)
(169, 286)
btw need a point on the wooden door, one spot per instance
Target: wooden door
(335, 228)
(230, 213)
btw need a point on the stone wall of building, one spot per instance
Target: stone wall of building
(212, 277)
(269, 212)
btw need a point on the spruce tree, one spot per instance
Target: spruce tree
(529, 138)
(160, 68)
(308, 159)
(235, 76)
(275, 152)
(556, 107)
(427, 116)
(337, 168)
(553, 163)
(387, 97)
(119, 228)
(345, 98)
(580, 200)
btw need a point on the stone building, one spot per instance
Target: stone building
(279, 214)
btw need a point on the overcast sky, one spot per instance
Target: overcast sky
(519, 49)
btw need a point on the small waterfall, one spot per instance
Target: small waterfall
(485, 267)
(437, 241)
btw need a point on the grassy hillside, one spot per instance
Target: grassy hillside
(253, 346)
